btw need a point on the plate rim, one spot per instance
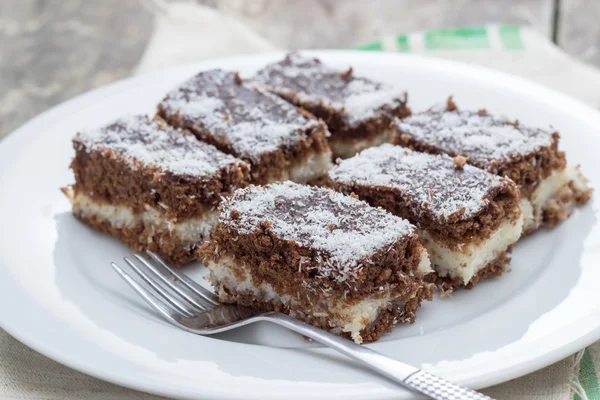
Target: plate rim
(18, 136)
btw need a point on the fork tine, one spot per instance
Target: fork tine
(193, 286)
(198, 302)
(162, 292)
(168, 313)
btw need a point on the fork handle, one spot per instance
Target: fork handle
(406, 375)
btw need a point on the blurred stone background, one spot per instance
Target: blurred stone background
(52, 50)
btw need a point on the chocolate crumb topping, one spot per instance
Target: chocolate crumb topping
(152, 143)
(524, 154)
(482, 138)
(234, 115)
(138, 162)
(305, 215)
(430, 183)
(455, 205)
(325, 91)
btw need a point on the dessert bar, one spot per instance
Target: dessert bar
(467, 219)
(357, 110)
(322, 257)
(278, 140)
(529, 156)
(150, 185)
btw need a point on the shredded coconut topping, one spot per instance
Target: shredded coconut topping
(310, 81)
(141, 140)
(343, 230)
(244, 119)
(482, 138)
(428, 183)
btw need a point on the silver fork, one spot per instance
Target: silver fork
(189, 306)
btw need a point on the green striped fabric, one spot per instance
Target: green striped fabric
(506, 37)
(375, 46)
(457, 38)
(510, 36)
(588, 376)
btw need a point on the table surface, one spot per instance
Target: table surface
(52, 50)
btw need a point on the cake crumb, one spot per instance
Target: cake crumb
(266, 224)
(238, 79)
(483, 112)
(331, 227)
(347, 74)
(405, 138)
(450, 105)
(385, 275)
(460, 161)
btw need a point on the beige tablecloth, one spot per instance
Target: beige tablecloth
(185, 32)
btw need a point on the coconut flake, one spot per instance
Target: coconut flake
(306, 215)
(430, 182)
(308, 80)
(141, 140)
(482, 138)
(244, 119)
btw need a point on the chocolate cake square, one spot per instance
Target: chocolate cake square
(529, 156)
(467, 219)
(357, 110)
(322, 257)
(150, 185)
(279, 141)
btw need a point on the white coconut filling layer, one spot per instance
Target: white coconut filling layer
(554, 187)
(314, 166)
(189, 231)
(530, 221)
(346, 148)
(424, 266)
(466, 262)
(351, 318)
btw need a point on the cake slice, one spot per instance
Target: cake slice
(278, 140)
(529, 156)
(467, 219)
(324, 258)
(357, 110)
(151, 186)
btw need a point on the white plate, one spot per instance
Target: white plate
(60, 297)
